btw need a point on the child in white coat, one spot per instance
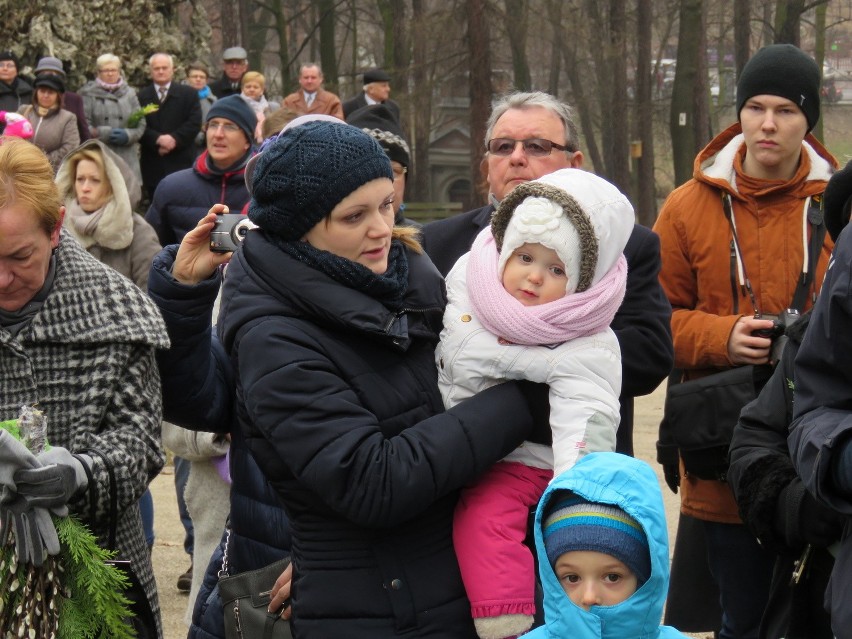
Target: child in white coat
(533, 299)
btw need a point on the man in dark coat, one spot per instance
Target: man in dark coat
(167, 144)
(521, 127)
(376, 91)
(234, 65)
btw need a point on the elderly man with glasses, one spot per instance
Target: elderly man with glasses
(530, 135)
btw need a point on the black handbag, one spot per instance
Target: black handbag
(143, 621)
(245, 600)
(700, 415)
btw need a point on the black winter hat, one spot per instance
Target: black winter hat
(376, 75)
(378, 121)
(235, 109)
(8, 55)
(50, 81)
(786, 71)
(837, 201)
(307, 170)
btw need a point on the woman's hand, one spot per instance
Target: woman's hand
(281, 593)
(195, 261)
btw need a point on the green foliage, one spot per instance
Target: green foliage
(78, 593)
(96, 607)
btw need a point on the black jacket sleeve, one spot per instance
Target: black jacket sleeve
(196, 374)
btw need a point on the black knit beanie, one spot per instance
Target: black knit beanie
(307, 171)
(235, 109)
(786, 71)
(378, 121)
(9, 55)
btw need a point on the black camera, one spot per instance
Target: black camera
(780, 324)
(229, 232)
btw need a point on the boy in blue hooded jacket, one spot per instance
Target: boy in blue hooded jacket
(600, 533)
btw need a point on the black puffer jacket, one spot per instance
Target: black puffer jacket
(338, 402)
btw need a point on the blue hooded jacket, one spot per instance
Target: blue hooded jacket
(630, 484)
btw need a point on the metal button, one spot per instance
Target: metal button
(466, 318)
(396, 584)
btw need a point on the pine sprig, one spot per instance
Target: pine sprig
(103, 609)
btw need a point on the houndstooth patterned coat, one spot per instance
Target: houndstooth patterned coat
(87, 361)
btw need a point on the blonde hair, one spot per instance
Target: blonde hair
(408, 235)
(26, 179)
(253, 76)
(277, 120)
(107, 58)
(93, 154)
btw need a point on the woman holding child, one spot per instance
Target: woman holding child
(330, 317)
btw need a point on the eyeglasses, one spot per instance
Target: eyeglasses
(227, 127)
(7, 65)
(398, 170)
(108, 71)
(236, 62)
(534, 147)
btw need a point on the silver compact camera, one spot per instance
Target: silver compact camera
(229, 232)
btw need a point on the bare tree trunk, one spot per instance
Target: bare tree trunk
(478, 39)
(683, 120)
(582, 107)
(616, 71)
(328, 50)
(742, 31)
(819, 54)
(516, 30)
(645, 194)
(423, 113)
(788, 17)
(230, 24)
(554, 12)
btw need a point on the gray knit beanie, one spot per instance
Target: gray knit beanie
(786, 71)
(307, 171)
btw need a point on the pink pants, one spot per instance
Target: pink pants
(489, 529)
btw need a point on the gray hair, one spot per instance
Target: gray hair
(107, 58)
(528, 100)
(161, 53)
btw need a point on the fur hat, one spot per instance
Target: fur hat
(582, 217)
(50, 81)
(307, 170)
(235, 109)
(572, 523)
(786, 71)
(377, 121)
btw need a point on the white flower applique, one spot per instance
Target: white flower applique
(536, 216)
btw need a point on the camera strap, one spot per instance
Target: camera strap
(815, 219)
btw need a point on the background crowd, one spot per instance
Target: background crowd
(300, 387)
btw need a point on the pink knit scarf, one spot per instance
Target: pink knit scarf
(564, 319)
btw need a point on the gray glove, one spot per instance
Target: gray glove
(13, 457)
(60, 478)
(33, 528)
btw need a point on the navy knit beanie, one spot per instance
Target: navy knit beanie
(571, 523)
(786, 71)
(307, 171)
(235, 109)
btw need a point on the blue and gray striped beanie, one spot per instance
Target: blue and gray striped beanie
(304, 173)
(572, 523)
